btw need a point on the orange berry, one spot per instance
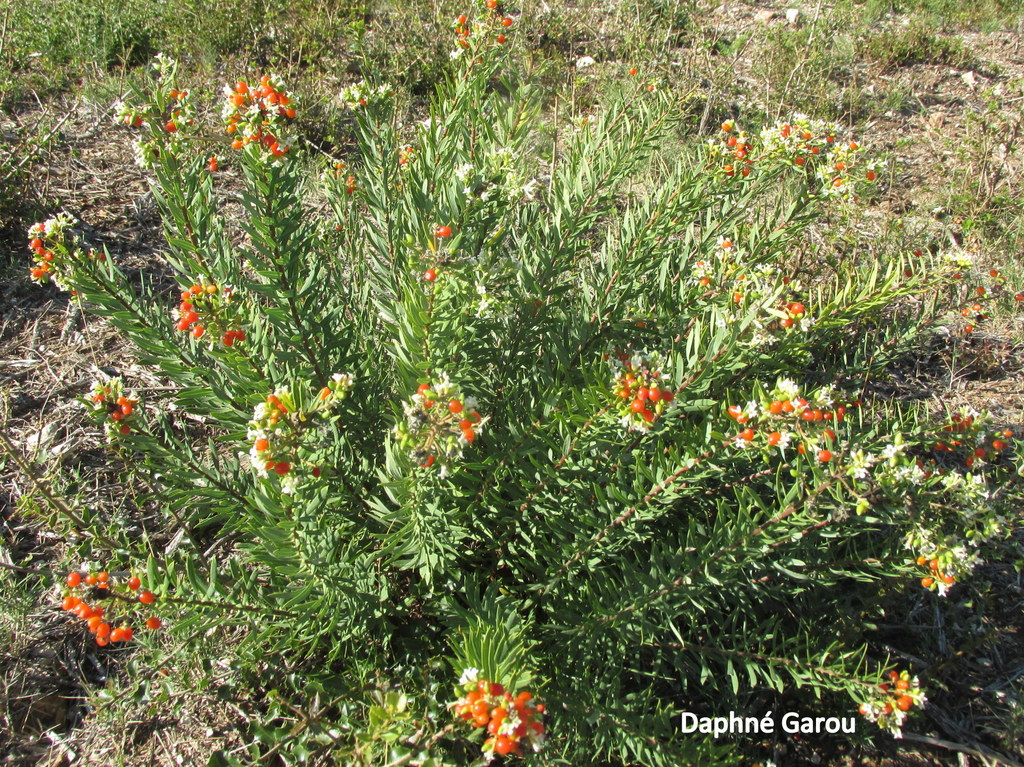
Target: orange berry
(147, 597)
(927, 582)
(503, 745)
(74, 579)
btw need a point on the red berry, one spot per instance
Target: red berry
(91, 580)
(824, 456)
(430, 275)
(134, 583)
(282, 468)
(905, 703)
(147, 597)
(443, 231)
(228, 339)
(454, 406)
(747, 434)
(74, 579)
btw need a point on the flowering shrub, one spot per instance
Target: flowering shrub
(620, 458)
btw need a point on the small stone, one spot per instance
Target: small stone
(585, 61)
(763, 17)
(793, 15)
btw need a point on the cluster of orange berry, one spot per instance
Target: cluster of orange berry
(511, 721)
(895, 698)
(463, 28)
(203, 309)
(178, 104)
(259, 114)
(800, 143)
(738, 149)
(984, 448)
(277, 426)
(641, 388)
(931, 581)
(793, 311)
(113, 406)
(791, 406)
(45, 238)
(273, 445)
(350, 181)
(975, 313)
(101, 586)
(439, 423)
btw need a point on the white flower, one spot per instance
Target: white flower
(469, 675)
(890, 451)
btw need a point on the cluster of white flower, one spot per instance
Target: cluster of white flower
(52, 227)
(363, 94)
(164, 120)
(276, 430)
(496, 174)
(439, 424)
